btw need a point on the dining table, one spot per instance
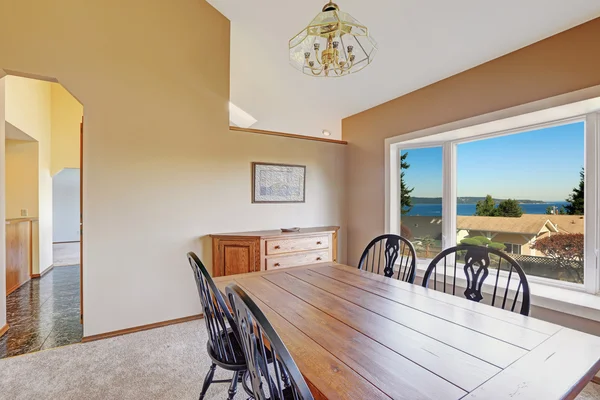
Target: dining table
(358, 335)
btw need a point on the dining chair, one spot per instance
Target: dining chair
(279, 381)
(390, 248)
(478, 264)
(223, 344)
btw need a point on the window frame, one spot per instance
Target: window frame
(512, 247)
(394, 147)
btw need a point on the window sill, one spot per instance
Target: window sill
(562, 299)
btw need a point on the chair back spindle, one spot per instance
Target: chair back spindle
(280, 380)
(217, 317)
(476, 264)
(390, 255)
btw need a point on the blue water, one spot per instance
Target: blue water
(469, 209)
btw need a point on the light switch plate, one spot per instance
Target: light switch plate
(23, 212)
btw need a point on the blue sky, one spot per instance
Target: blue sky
(543, 164)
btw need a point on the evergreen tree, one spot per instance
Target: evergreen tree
(575, 206)
(509, 208)
(506, 208)
(405, 200)
(486, 208)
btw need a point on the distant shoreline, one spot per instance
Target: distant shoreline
(435, 210)
(473, 204)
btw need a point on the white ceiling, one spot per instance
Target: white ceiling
(420, 42)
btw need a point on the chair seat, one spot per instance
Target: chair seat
(239, 365)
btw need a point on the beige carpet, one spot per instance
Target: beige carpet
(165, 363)
(65, 254)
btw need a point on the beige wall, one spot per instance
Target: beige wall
(557, 65)
(66, 117)
(28, 107)
(161, 168)
(21, 178)
(561, 64)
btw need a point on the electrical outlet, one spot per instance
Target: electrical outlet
(24, 212)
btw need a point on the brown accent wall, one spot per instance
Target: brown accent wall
(560, 64)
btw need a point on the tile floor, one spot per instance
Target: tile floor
(43, 313)
(65, 254)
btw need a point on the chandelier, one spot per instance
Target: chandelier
(333, 44)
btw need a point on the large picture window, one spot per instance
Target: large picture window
(530, 191)
(523, 193)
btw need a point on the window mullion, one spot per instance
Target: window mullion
(449, 195)
(592, 234)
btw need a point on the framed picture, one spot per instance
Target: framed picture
(278, 183)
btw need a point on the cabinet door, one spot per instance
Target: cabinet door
(236, 257)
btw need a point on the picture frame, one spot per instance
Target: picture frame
(278, 183)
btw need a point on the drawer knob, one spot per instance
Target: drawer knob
(277, 265)
(277, 247)
(318, 258)
(319, 242)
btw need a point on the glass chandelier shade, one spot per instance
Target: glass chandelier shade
(334, 44)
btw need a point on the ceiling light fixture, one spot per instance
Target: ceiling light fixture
(333, 44)
(326, 132)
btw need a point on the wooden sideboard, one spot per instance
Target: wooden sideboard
(242, 252)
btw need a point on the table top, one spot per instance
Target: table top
(358, 335)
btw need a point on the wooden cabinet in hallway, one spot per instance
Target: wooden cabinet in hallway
(18, 252)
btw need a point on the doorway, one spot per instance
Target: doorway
(65, 217)
(43, 308)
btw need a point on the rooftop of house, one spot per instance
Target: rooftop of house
(531, 224)
(568, 223)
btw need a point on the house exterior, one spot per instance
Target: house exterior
(518, 234)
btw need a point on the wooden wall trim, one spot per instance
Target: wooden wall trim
(287, 135)
(50, 268)
(3, 330)
(120, 332)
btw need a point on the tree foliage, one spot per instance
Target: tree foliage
(506, 208)
(576, 203)
(509, 208)
(405, 200)
(566, 249)
(483, 242)
(486, 207)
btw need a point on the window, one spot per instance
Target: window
(512, 248)
(421, 199)
(525, 184)
(520, 193)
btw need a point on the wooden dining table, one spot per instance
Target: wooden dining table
(359, 335)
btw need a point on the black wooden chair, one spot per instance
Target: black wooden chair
(223, 344)
(389, 249)
(477, 264)
(279, 381)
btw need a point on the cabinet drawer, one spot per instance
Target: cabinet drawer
(295, 260)
(280, 246)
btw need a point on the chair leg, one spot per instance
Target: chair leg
(233, 386)
(208, 380)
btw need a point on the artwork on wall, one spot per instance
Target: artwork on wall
(278, 183)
